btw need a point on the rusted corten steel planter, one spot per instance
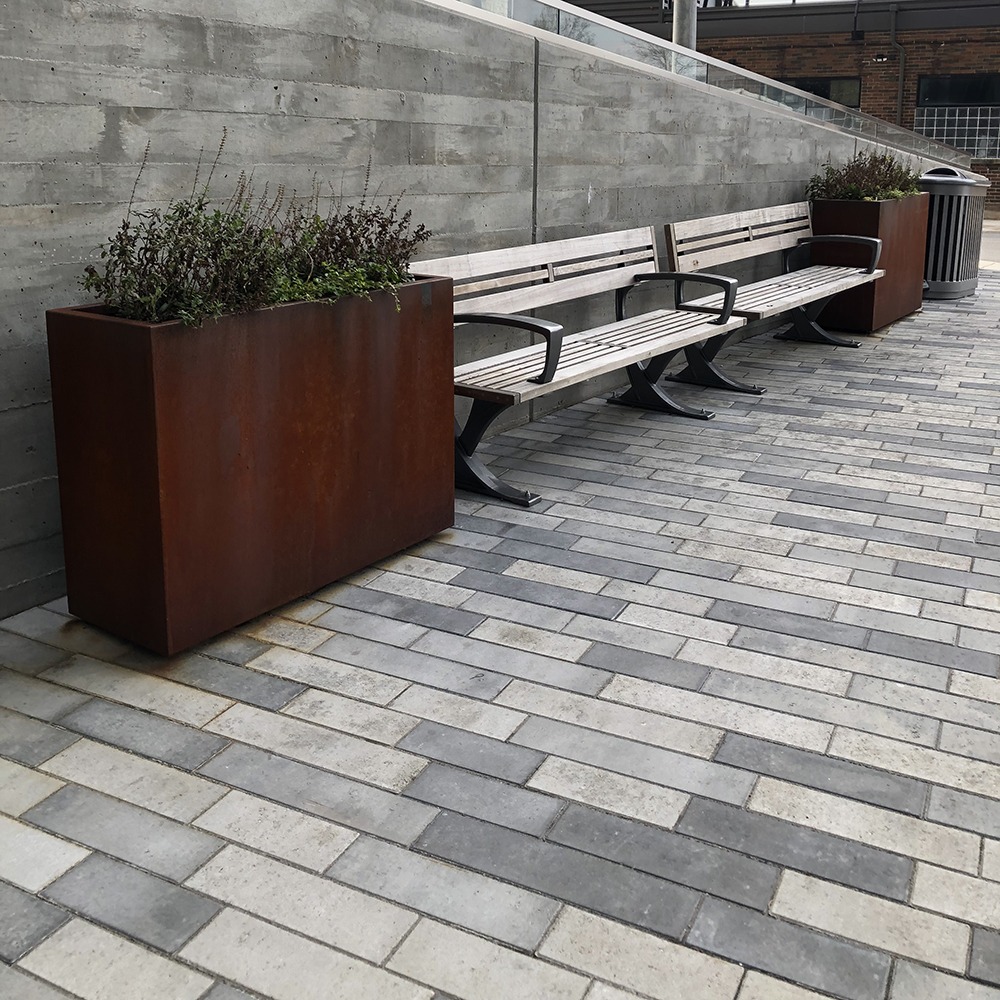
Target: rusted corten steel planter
(901, 225)
(210, 474)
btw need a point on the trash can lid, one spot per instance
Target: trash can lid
(948, 176)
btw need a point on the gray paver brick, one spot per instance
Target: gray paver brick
(233, 648)
(223, 992)
(506, 913)
(691, 862)
(985, 961)
(561, 872)
(232, 680)
(472, 751)
(36, 698)
(805, 767)
(617, 569)
(925, 651)
(133, 902)
(798, 953)
(649, 666)
(485, 798)
(143, 733)
(321, 793)
(614, 753)
(29, 741)
(19, 985)
(965, 810)
(787, 622)
(26, 921)
(143, 838)
(379, 606)
(26, 655)
(798, 847)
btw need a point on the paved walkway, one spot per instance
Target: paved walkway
(719, 718)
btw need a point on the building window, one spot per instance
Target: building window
(844, 90)
(954, 90)
(961, 109)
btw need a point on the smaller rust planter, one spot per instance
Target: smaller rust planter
(208, 475)
(901, 224)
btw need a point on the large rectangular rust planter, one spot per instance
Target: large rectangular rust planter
(901, 225)
(210, 474)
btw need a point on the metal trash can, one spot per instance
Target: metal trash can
(954, 231)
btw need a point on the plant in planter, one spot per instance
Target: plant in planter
(260, 405)
(873, 194)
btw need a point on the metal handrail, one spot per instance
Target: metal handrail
(611, 36)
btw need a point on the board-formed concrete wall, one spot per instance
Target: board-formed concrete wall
(496, 134)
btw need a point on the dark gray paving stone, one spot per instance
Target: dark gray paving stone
(403, 609)
(658, 512)
(830, 526)
(413, 665)
(562, 873)
(792, 846)
(26, 921)
(140, 905)
(233, 648)
(233, 681)
(691, 862)
(649, 666)
(485, 798)
(834, 491)
(791, 952)
(772, 620)
(143, 838)
(985, 961)
(37, 698)
(617, 569)
(972, 661)
(27, 656)
(468, 558)
(29, 741)
(870, 506)
(697, 492)
(963, 809)
(359, 806)
(841, 777)
(18, 985)
(220, 991)
(949, 577)
(937, 472)
(149, 735)
(472, 751)
(558, 539)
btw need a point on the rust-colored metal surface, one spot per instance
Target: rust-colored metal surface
(209, 475)
(902, 226)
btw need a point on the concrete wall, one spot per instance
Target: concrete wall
(497, 137)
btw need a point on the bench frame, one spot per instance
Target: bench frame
(498, 287)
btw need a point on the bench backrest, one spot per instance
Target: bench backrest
(540, 274)
(721, 239)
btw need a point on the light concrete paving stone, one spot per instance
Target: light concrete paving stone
(132, 902)
(140, 690)
(657, 597)
(893, 831)
(602, 991)
(622, 634)
(530, 639)
(138, 836)
(283, 632)
(869, 920)
(473, 969)
(30, 741)
(372, 722)
(305, 611)
(966, 897)
(36, 698)
(96, 964)
(673, 622)
(306, 840)
(616, 793)
(826, 587)
(636, 960)
(426, 569)
(142, 782)
(991, 859)
(325, 674)
(285, 966)
(21, 787)
(935, 704)
(65, 633)
(30, 858)
(780, 727)
(904, 624)
(447, 594)
(472, 901)
(496, 758)
(757, 986)
(223, 992)
(19, 985)
(621, 720)
(27, 920)
(309, 904)
(512, 610)
(480, 717)
(978, 639)
(311, 744)
(558, 576)
(370, 626)
(919, 762)
(321, 793)
(982, 599)
(460, 790)
(232, 647)
(784, 670)
(911, 981)
(27, 656)
(969, 742)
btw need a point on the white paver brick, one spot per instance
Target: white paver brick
(32, 858)
(95, 964)
(21, 788)
(976, 900)
(975, 686)
(285, 966)
(277, 830)
(372, 722)
(531, 639)
(309, 904)
(885, 828)
(456, 710)
(285, 632)
(636, 960)
(664, 620)
(445, 594)
(426, 569)
(917, 982)
(883, 924)
(470, 968)
(991, 859)
(557, 576)
(757, 986)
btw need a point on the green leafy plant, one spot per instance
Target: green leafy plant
(867, 176)
(191, 261)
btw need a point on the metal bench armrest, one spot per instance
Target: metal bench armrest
(873, 243)
(552, 332)
(728, 285)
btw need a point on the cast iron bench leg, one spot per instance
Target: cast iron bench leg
(804, 327)
(470, 472)
(647, 395)
(701, 369)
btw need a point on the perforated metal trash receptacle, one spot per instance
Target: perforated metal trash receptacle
(954, 231)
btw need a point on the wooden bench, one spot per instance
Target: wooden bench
(801, 291)
(498, 287)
